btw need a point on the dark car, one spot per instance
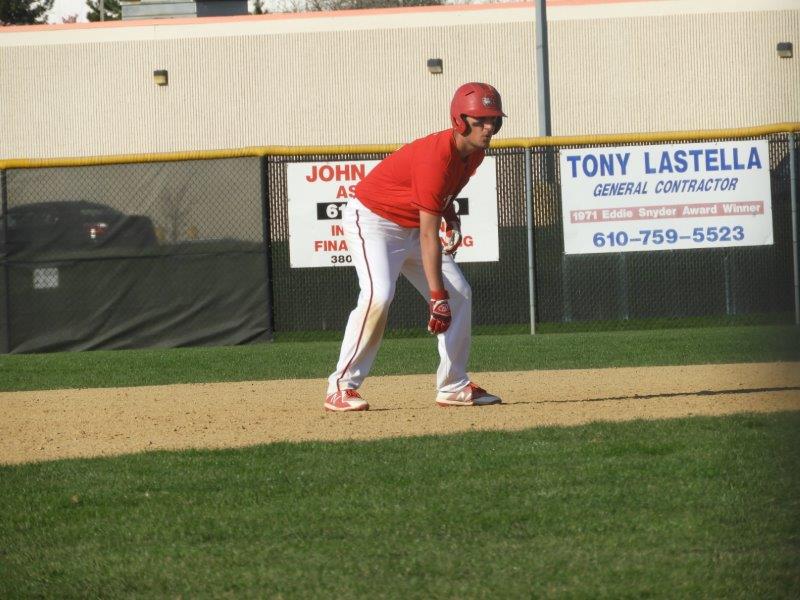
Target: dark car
(75, 225)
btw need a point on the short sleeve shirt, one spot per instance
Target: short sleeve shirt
(423, 175)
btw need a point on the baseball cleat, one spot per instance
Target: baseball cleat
(469, 395)
(345, 400)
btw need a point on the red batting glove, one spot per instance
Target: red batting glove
(439, 319)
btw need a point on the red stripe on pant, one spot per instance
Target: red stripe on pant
(369, 304)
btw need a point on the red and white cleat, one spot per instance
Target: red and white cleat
(345, 400)
(469, 395)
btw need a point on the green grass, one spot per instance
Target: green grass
(752, 319)
(400, 356)
(667, 509)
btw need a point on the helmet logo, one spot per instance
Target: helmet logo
(487, 101)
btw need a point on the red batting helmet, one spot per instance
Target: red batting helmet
(476, 100)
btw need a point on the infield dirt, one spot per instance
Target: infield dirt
(47, 425)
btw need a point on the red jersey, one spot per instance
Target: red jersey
(423, 175)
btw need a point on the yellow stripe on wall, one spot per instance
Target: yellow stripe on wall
(257, 151)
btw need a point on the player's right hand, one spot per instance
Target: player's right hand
(439, 319)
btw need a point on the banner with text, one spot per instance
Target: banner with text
(319, 191)
(666, 197)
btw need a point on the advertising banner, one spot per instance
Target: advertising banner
(666, 197)
(319, 191)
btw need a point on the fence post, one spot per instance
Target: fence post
(566, 290)
(793, 196)
(531, 255)
(622, 281)
(728, 294)
(6, 274)
(267, 240)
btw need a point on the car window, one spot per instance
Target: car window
(31, 219)
(96, 213)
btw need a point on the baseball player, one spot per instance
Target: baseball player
(392, 227)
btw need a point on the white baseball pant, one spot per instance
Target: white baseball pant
(383, 250)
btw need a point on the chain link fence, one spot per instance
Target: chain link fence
(196, 252)
(747, 285)
(134, 255)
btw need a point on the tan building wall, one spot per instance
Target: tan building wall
(360, 77)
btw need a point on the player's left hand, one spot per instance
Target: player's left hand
(452, 237)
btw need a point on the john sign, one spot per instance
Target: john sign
(667, 197)
(318, 193)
